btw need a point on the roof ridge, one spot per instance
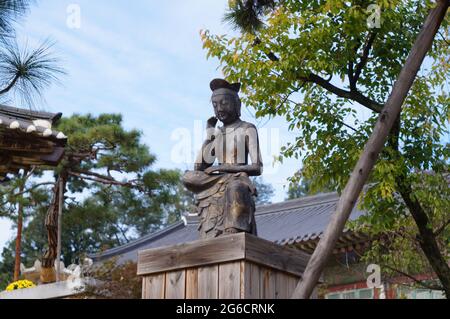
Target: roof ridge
(297, 203)
(29, 114)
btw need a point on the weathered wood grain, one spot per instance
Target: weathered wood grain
(154, 287)
(175, 284)
(208, 282)
(192, 283)
(230, 280)
(276, 256)
(267, 283)
(196, 253)
(234, 266)
(282, 286)
(291, 285)
(250, 280)
(220, 250)
(144, 288)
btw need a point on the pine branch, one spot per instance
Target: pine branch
(25, 191)
(10, 85)
(94, 177)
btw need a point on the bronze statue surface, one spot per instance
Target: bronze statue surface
(220, 180)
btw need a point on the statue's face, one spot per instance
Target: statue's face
(225, 108)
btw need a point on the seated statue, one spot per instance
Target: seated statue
(220, 180)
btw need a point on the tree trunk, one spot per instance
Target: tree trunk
(19, 235)
(426, 238)
(51, 223)
(359, 176)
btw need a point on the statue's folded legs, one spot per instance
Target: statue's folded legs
(240, 208)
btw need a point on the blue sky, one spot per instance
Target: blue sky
(143, 59)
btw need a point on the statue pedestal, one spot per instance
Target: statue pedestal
(238, 266)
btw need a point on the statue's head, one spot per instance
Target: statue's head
(225, 100)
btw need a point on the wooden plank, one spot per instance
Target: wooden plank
(208, 281)
(230, 280)
(292, 282)
(55, 157)
(154, 287)
(175, 284)
(281, 286)
(267, 283)
(192, 283)
(144, 288)
(264, 252)
(192, 254)
(250, 280)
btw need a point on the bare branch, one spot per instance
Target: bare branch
(417, 281)
(362, 61)
(350, 75)
(270, 55)
(442, 228)
(443, 38)
(30, 173)
(348, 126)
(109, 178)
(105, 180)
(351, 95)
(288, 95)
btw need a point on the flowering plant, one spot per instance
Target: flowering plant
(21, 284)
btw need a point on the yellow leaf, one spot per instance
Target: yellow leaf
(235, 57)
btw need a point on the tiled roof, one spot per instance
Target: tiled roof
(27, 139)
(35, 123)
(293, 222)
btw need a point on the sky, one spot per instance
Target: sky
(146, 62)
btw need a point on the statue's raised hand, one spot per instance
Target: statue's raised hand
(211, 123)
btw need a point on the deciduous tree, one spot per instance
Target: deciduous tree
(328, 69)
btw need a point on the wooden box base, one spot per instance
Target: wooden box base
(238, 266)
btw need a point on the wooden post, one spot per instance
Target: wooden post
(385, 122)
(60, 208)
(238, 266)
(19, 231)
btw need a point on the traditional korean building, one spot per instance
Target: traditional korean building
(27, 139)
(295, 223)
